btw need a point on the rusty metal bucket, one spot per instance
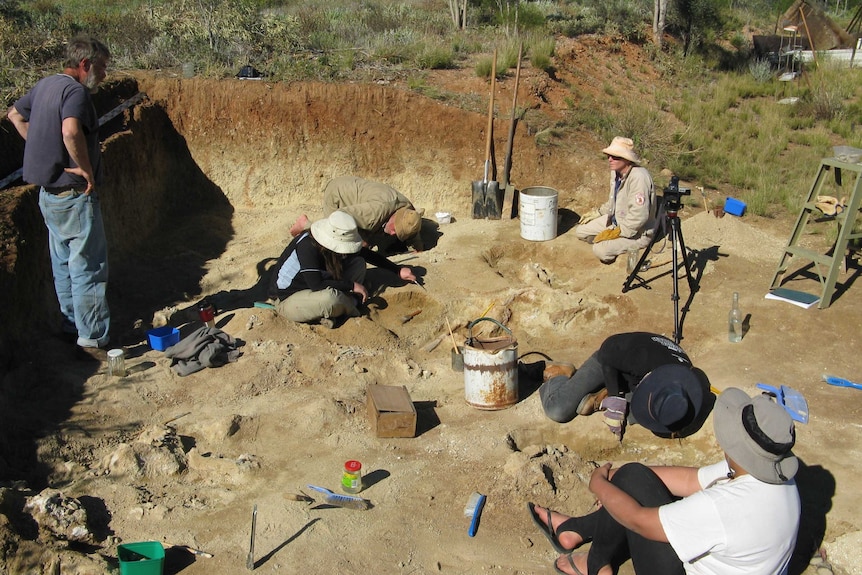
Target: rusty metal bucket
(490, 369)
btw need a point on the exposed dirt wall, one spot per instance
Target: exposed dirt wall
(261, 141)
(197, 148)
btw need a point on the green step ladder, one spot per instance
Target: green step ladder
(826, 265)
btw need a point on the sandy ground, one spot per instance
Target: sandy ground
(184, 460)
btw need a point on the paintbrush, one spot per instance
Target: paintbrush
(473, 510)
(249, 561)
(409, 316)
(192, 550)
(419, 284)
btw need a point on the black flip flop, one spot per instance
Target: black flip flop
(571, 563)
(547, 529)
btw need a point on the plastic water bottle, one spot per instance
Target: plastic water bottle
(735, 320)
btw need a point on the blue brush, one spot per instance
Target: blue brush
(473, 509)
(339, 500)
(841, 382)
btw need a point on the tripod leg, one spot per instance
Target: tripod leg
(634, 274)
(674, 231)
(685, 261)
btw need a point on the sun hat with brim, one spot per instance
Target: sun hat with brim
(407, 223)
(337, 233)
(623, 148)
(756, 433)
(672, 400)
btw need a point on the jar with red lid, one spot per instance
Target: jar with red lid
(351, 479)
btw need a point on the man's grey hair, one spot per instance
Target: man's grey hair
(85, 47)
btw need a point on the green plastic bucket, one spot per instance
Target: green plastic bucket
(143, 558)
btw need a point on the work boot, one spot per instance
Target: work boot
(592, 402)
(556, 368)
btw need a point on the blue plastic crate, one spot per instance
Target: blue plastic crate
(734, 207)
(161, 338)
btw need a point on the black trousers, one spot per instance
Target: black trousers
(614, 544)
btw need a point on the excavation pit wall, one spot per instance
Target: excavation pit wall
(179, 164)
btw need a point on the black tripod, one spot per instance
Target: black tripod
(671, 225)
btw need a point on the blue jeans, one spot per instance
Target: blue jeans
(561, 395)
(79, 261)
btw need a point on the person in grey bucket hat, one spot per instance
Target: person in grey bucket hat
(740, 515)
(757, 434)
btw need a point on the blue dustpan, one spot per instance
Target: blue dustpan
(791, 400)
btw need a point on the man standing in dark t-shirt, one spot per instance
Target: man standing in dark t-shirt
(608, 375)
(57, 120)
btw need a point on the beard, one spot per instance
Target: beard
(91, 82)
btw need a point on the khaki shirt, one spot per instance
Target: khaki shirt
(370, 203)
(635, 205)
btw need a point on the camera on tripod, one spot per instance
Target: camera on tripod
(673, 195)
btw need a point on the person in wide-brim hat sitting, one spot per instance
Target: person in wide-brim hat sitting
(628, 219)
(320, 275)
(740, 515)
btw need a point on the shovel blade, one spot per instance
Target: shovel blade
(493, 201)
(479, 200)
(510, 199)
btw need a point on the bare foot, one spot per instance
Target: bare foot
(576, 564)
(300, 226)
(568, 539)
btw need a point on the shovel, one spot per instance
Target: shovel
(792, 401)
(509, 192)
(486, 193)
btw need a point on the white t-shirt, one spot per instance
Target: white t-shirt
(741, 526)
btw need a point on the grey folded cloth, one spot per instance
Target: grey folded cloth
(205, 347)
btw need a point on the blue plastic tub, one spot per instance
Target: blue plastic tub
(734, 207)
(161, 338)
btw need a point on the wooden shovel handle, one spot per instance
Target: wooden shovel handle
(507, 167)
(491, 109)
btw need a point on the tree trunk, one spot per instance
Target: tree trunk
(658, 21)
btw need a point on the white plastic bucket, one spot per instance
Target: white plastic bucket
(537, 210)
(490, 369)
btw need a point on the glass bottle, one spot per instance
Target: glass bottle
(351, 479)
(632, 260)
(735, 320)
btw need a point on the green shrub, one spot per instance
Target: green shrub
(761, 70)
(541, 50)
(435, 57)
(484, 66)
